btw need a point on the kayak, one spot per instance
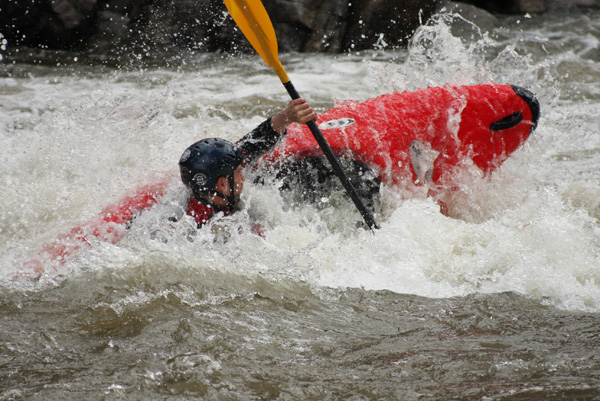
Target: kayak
(109, 226)
(422, 137)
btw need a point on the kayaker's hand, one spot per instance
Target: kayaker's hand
(297, 111)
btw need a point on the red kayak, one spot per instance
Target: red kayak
(422, 136)
(110, 225)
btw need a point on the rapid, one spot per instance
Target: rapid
(498, 300)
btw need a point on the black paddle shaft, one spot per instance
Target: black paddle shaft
(337, 168)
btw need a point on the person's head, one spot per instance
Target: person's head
(211, 168)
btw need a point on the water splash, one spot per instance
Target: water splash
(73, 144)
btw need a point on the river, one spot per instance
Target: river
(499, 300)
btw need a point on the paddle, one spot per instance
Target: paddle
(254, 22)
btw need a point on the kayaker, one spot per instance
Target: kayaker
(212, 168)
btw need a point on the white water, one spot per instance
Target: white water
(70, 144)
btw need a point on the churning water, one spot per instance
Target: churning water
(498, 300)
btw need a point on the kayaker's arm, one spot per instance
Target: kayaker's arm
(262, 138)
(258, 141)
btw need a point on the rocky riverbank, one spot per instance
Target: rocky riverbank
(116, 27)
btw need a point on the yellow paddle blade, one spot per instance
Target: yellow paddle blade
(254, 22)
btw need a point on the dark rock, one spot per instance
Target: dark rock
(155, 26)
(382, 22)
(143, 26)
(510, 6)
(300, 25)
(74, 13)
(112, 27)
(530, 6)
(311, 25)
(474, 20)
(61, 24)
(558, 4)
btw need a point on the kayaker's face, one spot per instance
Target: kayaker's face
(224, 186)
(238, 182)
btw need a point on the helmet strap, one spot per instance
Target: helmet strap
(230, 199)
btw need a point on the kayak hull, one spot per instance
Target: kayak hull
(423, 135)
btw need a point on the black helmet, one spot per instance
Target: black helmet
(205, 161)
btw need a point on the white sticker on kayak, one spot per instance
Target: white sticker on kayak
(339, 123)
